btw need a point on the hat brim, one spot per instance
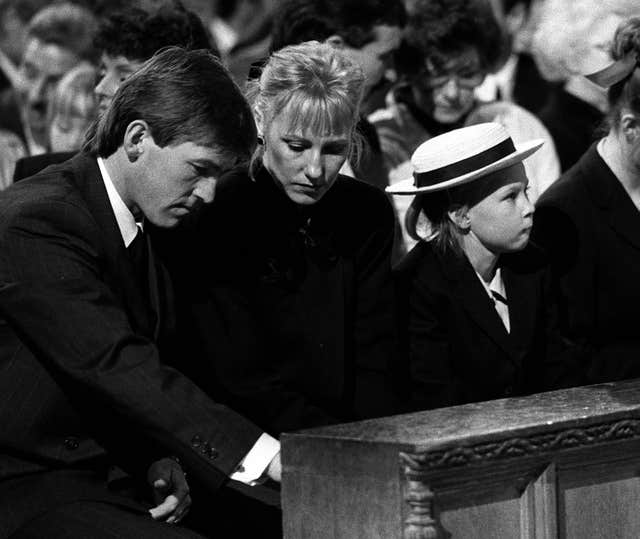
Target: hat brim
(524, 150)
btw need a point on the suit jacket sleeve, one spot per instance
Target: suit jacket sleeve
(55, 293)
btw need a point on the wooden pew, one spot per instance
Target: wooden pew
(564, 464)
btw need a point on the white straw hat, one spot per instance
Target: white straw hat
(460, 156)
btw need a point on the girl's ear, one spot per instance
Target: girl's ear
(459, 216)
(335, 41)
(630, 126)
(257, 116)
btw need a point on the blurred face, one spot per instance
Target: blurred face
(67, 127)
(502, 220)
(112, 73)
(446, 93)
(66, 133)
(43, 65)
(170, 183)
(375, 57)
(304, 164)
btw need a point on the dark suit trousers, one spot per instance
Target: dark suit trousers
(98, 520)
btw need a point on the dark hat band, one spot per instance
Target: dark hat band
(615, 72)
(460, 168)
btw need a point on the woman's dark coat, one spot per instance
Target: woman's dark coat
(456, 345)
(292, 305)
(591, 230)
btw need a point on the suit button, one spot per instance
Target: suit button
(196, 441)
(212, 453)
(71, 443)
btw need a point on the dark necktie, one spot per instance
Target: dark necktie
(499, 297)
(139, 253)
(502, 308)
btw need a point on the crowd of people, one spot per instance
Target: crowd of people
(222, 221)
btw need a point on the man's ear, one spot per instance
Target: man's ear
(630, 126)
(335, 41)
(136, 138)
(459, 216)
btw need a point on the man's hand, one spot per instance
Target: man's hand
(274, 470)
(170, 491)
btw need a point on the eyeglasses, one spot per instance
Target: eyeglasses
(464, 79)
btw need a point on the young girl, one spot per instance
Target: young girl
(474, 320)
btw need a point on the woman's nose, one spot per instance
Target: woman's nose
(314, 165)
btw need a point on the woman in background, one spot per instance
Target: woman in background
(73, 108)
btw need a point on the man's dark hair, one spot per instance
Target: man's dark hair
(67, 25)
(296, 21)
(184, 96)
(137, 34)
(438, 29)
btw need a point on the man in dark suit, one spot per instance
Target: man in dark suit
(91, 398)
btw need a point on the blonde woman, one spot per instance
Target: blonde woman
(301, 272)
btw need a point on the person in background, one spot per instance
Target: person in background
(59, 37)
(450, 45)
(292, 298)
(589, 222)
(73, 109)
(518, 80)
(572, 39)
(474, 318)
(14, 19)
(125, 39)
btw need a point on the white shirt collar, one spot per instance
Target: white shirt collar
(126, 222)
(496, 284)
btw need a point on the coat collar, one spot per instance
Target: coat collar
(472, 295)
(610, 196)
(87, 178)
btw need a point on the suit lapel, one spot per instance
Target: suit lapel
(473, 296)
(88, 179)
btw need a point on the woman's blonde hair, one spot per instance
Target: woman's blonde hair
(74, 98)
(317, 84)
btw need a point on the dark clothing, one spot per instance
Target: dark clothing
(86, 384)
(31, 165)
(297, 321)
(573, 124)
(99, 520)
(10, 114)
(530, 89)
(457, 347)
(372, 167)
(591, 229)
